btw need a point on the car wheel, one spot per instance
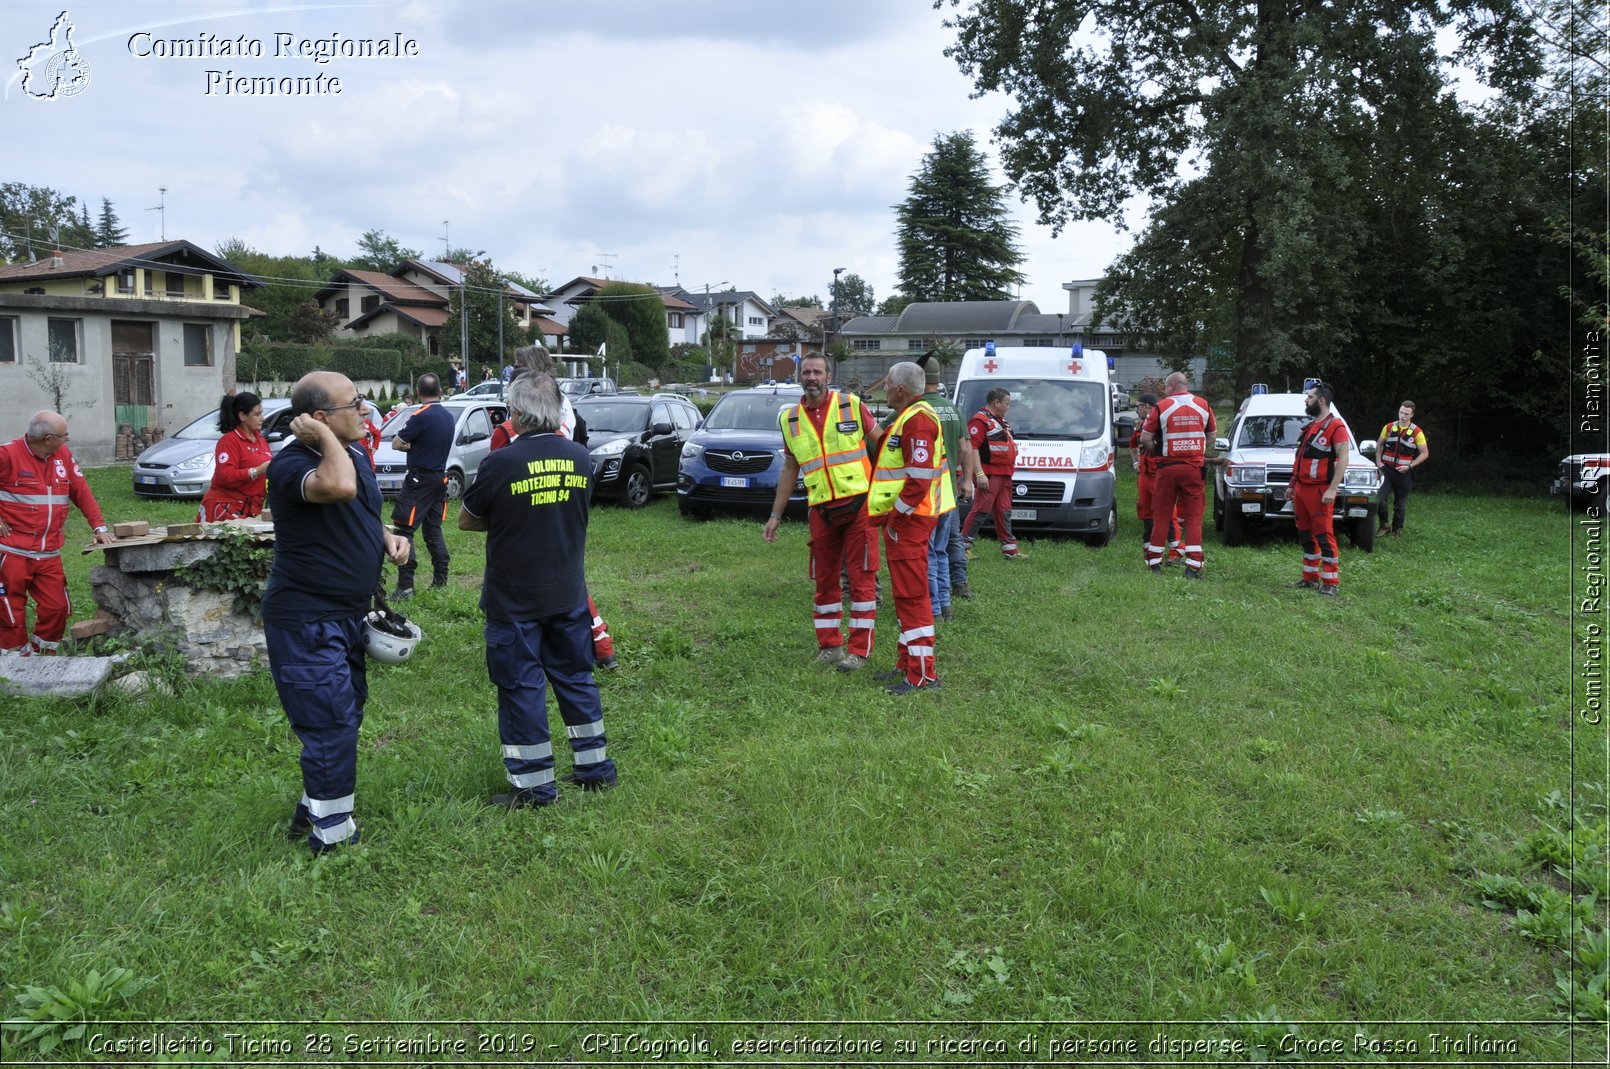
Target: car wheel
(1235, 526)
(639, 487)
(1103, 537)
(1363, 533)
(455, 484)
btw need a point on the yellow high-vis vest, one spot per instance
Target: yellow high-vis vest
(891, 472)
(834, 464)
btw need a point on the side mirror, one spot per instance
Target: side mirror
(661, 428)
(1221, 444)
(471, 437)
(1367, 447)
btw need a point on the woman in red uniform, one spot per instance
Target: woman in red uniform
(240, 461)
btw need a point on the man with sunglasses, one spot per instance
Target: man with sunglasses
(329, 545)
(38, 478)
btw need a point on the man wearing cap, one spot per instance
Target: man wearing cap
(38, 478)
(1316, 478)
(830, 438)
(910, 491)
(947, 550)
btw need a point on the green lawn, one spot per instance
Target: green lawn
(1230, 805)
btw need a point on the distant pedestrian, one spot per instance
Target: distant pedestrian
(909, 493)
(533, 498)
(991, 436)
(1145, 465)
(947, 550)
(829, 439)
(427, 438)
(240, 461)
(1321, 465)
(1177, 432)
(329, 548)
(1401, 448)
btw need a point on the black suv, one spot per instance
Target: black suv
(636, 443)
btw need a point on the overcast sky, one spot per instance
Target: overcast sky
(744, 142)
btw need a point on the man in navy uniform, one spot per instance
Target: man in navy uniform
(329, 544)
(426, 438)
(531, 498)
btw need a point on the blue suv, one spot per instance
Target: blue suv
(734, 460)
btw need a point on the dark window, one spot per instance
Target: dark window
(197, 345)
(125, 280)
(476, 427)
(370, 303)
(8, 339)
(673, 319)
(175, 284)
(64, 341)
(685, 417)
(661, 414)
(866, 344)
(341, 306)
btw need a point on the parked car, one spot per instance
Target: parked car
(181, 465)
(472, 439)
(491, 389)
(1584, 477)
(736, 458)
(636, 443)
(576, 389)
(1261, 450)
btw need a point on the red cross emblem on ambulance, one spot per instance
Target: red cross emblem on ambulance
(1074, 367)
(991, 366)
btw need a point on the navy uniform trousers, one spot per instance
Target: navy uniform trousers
(319, 671)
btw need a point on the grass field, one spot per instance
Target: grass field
(1264, 817)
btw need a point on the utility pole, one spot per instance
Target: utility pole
(444, 239)
(833, 317)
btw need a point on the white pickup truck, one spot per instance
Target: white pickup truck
(1583, 476)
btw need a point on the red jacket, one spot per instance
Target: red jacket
(34, 496)
(997, 449)
(234, 494)
(1180, 424)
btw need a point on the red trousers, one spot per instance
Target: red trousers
(832, 547)
(603, 645)
(994, 501)
(1145, 487)
(1178, 492)
(905, 544)
(1317, 532)
(44, 579)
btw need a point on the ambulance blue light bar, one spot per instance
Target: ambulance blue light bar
(1259, 388)
(1310, 382)
(989, 348)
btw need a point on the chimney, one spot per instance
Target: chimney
(56, 260)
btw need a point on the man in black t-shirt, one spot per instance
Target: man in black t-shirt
(427, 438)
(531, 498)
(329, 544)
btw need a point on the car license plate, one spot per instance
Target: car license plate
(1025, 514)
(146, 480)
(737, 482)
(390, 484)
(1251, 506)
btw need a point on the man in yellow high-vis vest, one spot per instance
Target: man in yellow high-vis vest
(830, 438)
(911, 489)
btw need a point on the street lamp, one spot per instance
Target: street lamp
(464, 312)
(833, 318)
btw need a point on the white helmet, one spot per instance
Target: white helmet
(390, 637)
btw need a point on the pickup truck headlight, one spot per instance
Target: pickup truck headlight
(1361, 478)
(1096, 455)
(611, 449)
(692, 450)
(1246, 474)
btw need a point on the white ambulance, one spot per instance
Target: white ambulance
(1061, 416)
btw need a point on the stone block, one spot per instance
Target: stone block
(164, 556)
(132, 529)
(46, 677)
(84, 629)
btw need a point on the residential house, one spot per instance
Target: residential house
(415, 299)
(685, 321)
(805, 324)
(131, 342)
(743, 309)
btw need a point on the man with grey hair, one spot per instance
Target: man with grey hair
(911, 489)
(38, 477)
(532, 497)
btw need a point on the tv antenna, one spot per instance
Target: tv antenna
(161, 208)
(606, 257)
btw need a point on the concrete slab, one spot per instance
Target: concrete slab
(164, 556)
(59, 677)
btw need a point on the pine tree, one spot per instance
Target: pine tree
(109, 232)
(957, 242)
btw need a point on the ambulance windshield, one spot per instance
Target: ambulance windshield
(1044, 408)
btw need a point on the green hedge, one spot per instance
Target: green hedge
(356, 359)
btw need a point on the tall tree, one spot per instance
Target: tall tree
(853, 297)
(288, 282)
(480, 299)
(641, 311)
(109, 232)
(32, 217)
(1313, 131)
(379, 251)
(957, 241)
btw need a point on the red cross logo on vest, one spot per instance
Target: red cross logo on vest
(991, 366)
(1074, 367)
